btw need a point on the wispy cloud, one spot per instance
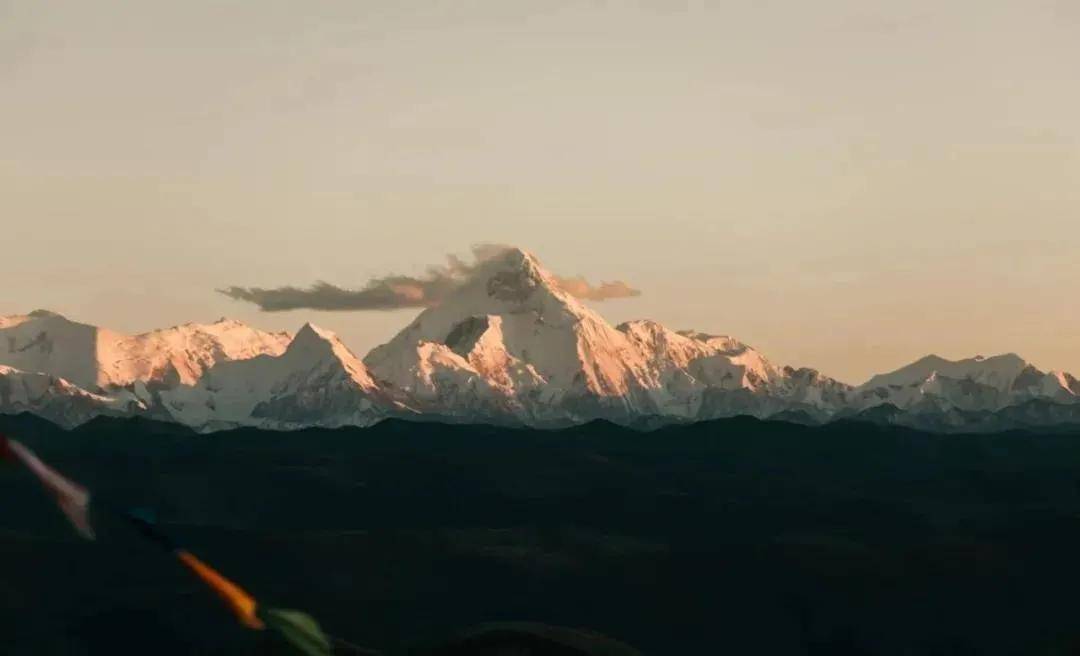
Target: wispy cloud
(581, 288)
(397, 291)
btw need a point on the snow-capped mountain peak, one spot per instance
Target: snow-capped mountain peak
(100, 359)
(998, 371)
(510, 340)
(186, 351)
(314, 346)
(973, 384)
(47, 342)
(315, 381)
(57, 399)
(513, 326)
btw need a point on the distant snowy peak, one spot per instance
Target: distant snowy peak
(999, 371)
(314, 347)
(20, 386)
(713, 361)
(979, 383)
(45, 342)
(809, 388)
(316, 381)
(57, 399)
(1060, 380)
(99, 359)
(181, 354)
(663, 344)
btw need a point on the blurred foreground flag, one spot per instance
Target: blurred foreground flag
(298, 629)
(236, 598)
(73, 499)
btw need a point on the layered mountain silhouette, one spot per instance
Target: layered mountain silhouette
(508, 346)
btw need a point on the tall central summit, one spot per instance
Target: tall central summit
(511, 340)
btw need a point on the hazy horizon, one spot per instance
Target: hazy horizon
(844, 185)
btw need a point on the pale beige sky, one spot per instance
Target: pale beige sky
(845, 184)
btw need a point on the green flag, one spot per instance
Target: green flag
(299, 629)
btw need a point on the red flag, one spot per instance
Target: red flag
(73, 499)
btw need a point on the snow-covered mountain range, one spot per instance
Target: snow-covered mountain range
(508, 346)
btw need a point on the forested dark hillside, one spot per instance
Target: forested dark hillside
(735, 536)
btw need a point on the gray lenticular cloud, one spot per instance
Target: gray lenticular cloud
(396, 291)
(381, 294)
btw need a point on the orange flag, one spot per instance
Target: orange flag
(239, 601)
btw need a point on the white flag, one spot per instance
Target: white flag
(73, 499)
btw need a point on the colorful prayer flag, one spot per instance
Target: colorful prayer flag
(72, 498)
(236, 598)
(299, 629)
